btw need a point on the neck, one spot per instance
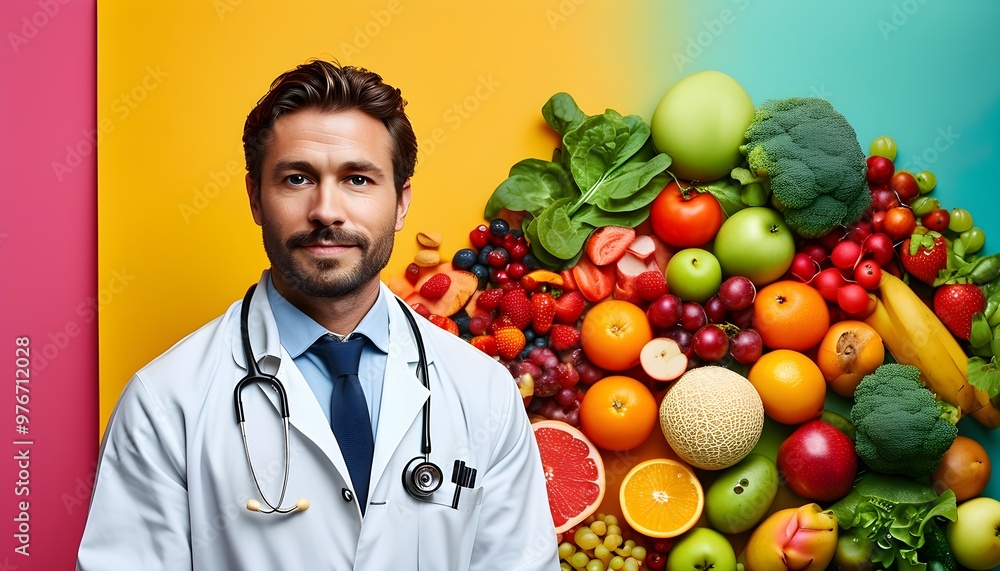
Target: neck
(341, 315)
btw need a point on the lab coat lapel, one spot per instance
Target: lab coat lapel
(305, 414)
(403, 395)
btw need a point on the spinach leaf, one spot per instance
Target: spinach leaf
(532, 186)
(601, 144)
(628, 188)
(559, 235)
(562, 113)
(590, 214)
(544, 258)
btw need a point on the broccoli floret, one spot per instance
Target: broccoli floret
(900, 429)
(815, 164)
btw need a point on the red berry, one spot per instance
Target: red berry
(543, 307)
(490, 299)
(479, 236)
(436, 286)
(479, 323)
(412, 273)
(563, 337)
(421, 310)
(485, 343)
(651, 285)
(516, 270)
(569, 307)
(510, 341)
(516, 306)
(497, 258)
(444, 323)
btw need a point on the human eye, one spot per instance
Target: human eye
(358, 180)
(296, 180)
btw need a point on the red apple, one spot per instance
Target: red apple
(818, 461)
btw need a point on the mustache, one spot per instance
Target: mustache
(328, 234)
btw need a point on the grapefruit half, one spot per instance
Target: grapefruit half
(574, 472)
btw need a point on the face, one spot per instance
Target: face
(326, 203)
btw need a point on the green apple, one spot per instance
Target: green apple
(975, 536)
(694, 274)
(742, 494)
(700, 549)
(701, 123)
(756, 243)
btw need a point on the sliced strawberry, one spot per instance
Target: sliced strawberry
(595, 282)
(955, 304)
(609, 243)
(569, 307)
(543, 309)
(925, 255)
(463, 285)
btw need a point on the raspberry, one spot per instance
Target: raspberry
(436, 286)
(651, 285)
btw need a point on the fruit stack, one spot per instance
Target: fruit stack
(804, 323)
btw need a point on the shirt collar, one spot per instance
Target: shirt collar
(297, 331)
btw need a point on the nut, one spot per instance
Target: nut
(429, 239)
(427, 258)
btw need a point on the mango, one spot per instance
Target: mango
(800, 539)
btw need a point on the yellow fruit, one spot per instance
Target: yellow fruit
(712, 417)
(849, 351)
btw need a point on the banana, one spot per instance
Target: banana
(915, 336)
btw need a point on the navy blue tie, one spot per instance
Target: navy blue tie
(349, 409)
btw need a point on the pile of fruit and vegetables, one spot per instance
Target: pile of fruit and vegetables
(718, 279)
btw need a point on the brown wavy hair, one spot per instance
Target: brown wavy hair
(327, 86)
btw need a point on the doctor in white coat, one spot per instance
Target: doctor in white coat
(329, 157)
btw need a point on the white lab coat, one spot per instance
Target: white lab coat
(173, 479)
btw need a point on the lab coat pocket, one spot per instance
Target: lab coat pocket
(448, 535)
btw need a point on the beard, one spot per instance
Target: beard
(328, 278)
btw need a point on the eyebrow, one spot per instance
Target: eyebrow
(366, 167)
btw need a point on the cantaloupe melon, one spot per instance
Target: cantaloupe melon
(712, 417)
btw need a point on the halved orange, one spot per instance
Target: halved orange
(661, 498)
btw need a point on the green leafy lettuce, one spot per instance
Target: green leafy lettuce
(606, 173)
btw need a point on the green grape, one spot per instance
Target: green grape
(601, 552)
(631, 565)
(921, 205)
(599, 527)
(579, 560)
(586, 539)
(884, 147)
(617, 562)
(926, 181)
(595, 565)
(612, 541)
(610, 520)
(624, 550)
(973, 238)
(613, 529)
(960, 220)
(563, 566)
(630, 543)
(566, 550)
(639, 552)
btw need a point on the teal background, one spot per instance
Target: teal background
(926, 73)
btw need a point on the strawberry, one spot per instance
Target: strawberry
(435, 286)
(516, 306)
(421, 309)
(609, 243)
(510, 341)
(543, 310)
(651, 285)
(563, 337)
(925, 255)
(595, 282)
(485, 343)
(490, 299)
(502, 322)
(569, 307)
(444, 323)
(955, 304)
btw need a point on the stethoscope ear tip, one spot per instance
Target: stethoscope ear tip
(302, 504)
(253, 505)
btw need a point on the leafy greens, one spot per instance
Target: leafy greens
(607, 173)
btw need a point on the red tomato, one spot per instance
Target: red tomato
(685, 219)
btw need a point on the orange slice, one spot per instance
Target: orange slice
(661, 498)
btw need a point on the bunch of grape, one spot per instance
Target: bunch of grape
(556, 394)
(597, 545)
(712, 331)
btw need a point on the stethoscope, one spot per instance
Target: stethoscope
(421, 477)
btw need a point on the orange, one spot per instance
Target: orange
(613, 334)
(849, 351)
(661, 498)
(790, 385)
(618, 413)
(790, 315)
(574, 472)
(965, 469)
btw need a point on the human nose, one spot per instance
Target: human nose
(328, 206)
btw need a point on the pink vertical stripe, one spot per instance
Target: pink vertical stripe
(48, 251)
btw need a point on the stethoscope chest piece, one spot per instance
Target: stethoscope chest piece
(422, 478)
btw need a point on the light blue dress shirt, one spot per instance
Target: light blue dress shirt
(297, 332)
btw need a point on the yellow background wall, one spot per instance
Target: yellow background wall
(177, 244)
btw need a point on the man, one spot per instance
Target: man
(329, 153)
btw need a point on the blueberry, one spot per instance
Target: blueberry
(464, 258)
(541, 341)
(529, 335)
(483, 256)
(481, 272)
(499, 227)
(462, 320)
(517, 233)
(523, 355)
(530, 261)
